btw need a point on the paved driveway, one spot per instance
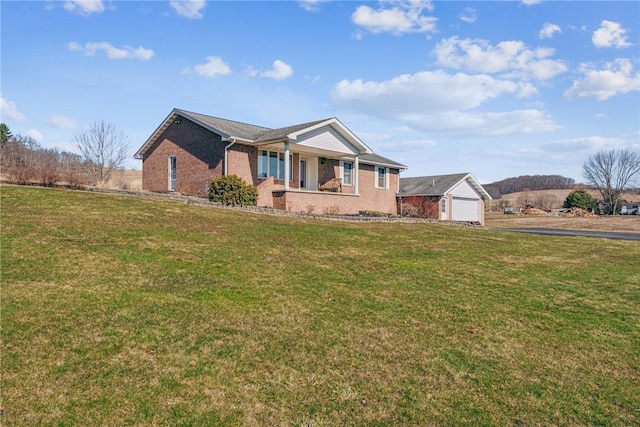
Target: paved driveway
(579, 233)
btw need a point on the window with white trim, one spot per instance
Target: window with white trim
(443, 204)
(382, 177)
(271, 163)
(347, 173)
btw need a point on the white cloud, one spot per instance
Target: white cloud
(589, 143)
(8, 110)
(84, 7)
(438, 102)
(214, 66)
(531, 2)
(311, 5)
(429, 91)
(192, 9)
(615, 78)
(610, 34)
(403, 17)
(548, 30)
(61, 122)
(484, 124)
(280, 71)
(469, 15)
(409, 145)
(506, 57)
(36, 135)
(112, 52)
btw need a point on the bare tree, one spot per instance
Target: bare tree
(610, 171)
(104, 150)
(546, 201)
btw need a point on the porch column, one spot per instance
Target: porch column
(287, 172)
(356, 176)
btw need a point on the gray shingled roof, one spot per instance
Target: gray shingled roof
(230, 127)
(435, 185)
(377, 159)
(273, 134)
(252, 134)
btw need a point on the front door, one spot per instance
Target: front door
(172, 173)
(303, 173)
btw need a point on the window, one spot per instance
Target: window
(381, 177)
(443, 204)
(271, 163)
(347, 173)
(172, 173)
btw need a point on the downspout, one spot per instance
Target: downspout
(226, 155)
(356, 175)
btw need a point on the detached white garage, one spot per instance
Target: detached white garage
(456, 197)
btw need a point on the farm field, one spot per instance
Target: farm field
(124, 311)
(627, 223)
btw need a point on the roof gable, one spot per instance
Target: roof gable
(342, 139)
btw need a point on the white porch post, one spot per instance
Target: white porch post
(356, 176)
(287, 172)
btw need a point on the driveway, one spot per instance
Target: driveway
(578, 233)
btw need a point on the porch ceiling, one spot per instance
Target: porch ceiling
(312, 151)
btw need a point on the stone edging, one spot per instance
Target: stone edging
(200, 201)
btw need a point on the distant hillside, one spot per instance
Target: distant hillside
(529, 183)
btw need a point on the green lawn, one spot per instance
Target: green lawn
(126, 311)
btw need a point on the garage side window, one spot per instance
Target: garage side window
(443, 204)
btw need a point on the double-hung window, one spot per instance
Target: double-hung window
(381, 177)
(271, 163)
(347, 173)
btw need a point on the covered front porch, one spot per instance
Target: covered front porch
(317, 202)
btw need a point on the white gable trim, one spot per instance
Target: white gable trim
(475, 184)
(340, 128)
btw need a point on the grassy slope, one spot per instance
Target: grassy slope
(121, 311)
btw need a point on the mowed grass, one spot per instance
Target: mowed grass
(126, 311)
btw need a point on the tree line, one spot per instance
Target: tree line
(529, 183)
(102, 150)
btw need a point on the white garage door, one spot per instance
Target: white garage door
(464, 209)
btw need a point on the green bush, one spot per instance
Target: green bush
(232, 190)
(580, 199)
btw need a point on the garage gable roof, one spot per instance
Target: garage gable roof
(438, 185)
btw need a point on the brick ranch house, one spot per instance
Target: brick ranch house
(329, 169)
(455, 197)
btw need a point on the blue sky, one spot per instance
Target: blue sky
(498, 89)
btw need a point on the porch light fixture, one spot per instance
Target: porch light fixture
(322, 160)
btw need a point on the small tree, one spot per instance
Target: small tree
(546, 201)
(232, 190)
(610, 172)
(579, 199)
(5, 133)
(104, 150)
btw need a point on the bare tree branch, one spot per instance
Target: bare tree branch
(611, 171)
(104, 150)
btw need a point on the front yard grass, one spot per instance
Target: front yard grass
(123, 311)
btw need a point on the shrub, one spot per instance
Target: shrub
(410, 210)
(232, 190)
(580, 199)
